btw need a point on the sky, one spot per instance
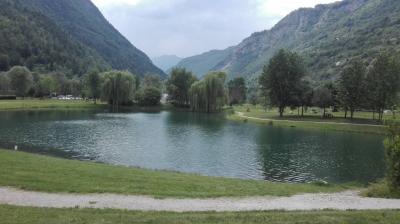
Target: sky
(189, 27)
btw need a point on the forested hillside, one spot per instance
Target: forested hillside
(327, 36)
(69, 35)
(31, 39)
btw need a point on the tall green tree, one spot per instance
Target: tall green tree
(152, 81)
(178, 86)
(281, 77)
(4, 83)
(46, 85)
(21, 80)
(237, 91)
(322, 98)
(118, 88)
(304, 97)
(382, 83)
(208, 95)
(149, 96)
(352, 86)
(93, 84)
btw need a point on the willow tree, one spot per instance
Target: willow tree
(208, 95)
(178, 86)
(118, 88)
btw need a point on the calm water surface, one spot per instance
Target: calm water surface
(198, 143)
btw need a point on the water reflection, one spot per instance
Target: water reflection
(197, 143)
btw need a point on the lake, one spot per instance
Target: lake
(197, 143)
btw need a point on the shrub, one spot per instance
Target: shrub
(393, 161)
(392, 146)
(8, 97)
(149, 96)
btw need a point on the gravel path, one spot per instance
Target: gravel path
(339, 201)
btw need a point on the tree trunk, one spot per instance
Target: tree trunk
(345, 113)
(351, 114)
(302, 111)
(373, 114)
(323, 115)
(281, 109)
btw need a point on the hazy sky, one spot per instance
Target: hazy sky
(189, 27)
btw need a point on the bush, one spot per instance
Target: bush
(149, 96)
(8, 97)
(392, 146)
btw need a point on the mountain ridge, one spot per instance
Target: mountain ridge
(327, 36)
(84, 24)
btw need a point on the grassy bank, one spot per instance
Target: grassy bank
(42, 173)
(11, 215)
(361, 123)
(48, 104)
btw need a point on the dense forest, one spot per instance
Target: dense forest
(31, 39)
(66, 36)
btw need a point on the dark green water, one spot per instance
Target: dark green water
(197, 143)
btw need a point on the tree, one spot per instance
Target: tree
(75, 87)
(304, 96)
(149, 96)
(93, 85)
(351, 86)
(118, 88)
(4, 83)
(178, 86)
(382, 83)
(208, 95)
(237, 91)
(281, 77)
(151, 81)
(62, 83)
(322, 98)
(4, 62)
(46, 85)
(21, 80)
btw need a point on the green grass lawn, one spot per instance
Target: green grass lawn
(48, 174)
(38, 104)
(27, 215)
(362, 120)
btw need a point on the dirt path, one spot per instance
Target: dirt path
(339, 201)
(241, 114)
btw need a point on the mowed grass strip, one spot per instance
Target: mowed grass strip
(27, 215)
(48, 174)
(38, 104)
(362, 123)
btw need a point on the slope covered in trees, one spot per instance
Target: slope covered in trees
(327, 36)
(75, 31)
(29, 38)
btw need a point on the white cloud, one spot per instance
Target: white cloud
(283, 7)
(106, 3)
(188, 27)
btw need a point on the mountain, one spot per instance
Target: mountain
(31, 39)
(69, 26)
(203, 63)
(166, 62)
(327, 37)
